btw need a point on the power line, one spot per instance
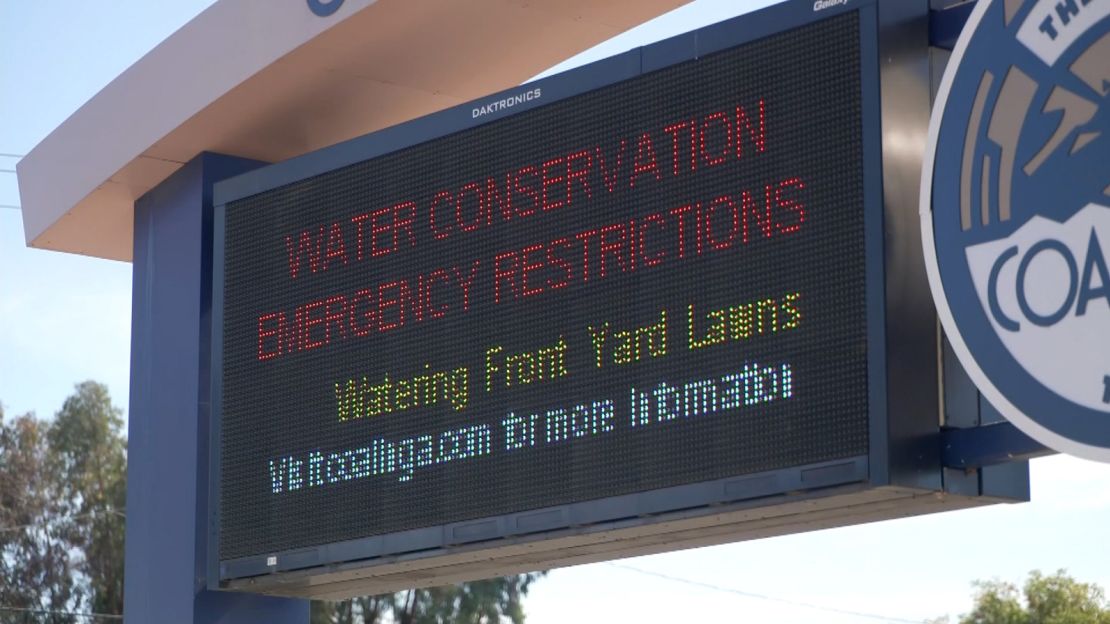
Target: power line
(11, 206)
(103, 616)
(94, 512)
(12, 155)
(794, 603)
(34, 611)
(7, 170)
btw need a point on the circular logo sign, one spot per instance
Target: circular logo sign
(1015, 215)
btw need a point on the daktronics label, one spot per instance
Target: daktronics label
(509, 102)
(656, 283)
(821, 5)
(1016, 215)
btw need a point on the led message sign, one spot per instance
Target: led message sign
(654, 283)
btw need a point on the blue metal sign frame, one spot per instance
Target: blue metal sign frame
(886, 428)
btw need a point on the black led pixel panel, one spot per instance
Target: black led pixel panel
(656, 283)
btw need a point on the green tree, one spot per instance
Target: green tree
(62, 495)
(88, 457)
(37, 570)
(1052, 599)
(486, 601)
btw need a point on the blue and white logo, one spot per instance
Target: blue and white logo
(1015, 215)
(324, 8)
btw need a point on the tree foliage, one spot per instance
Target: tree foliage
(1051, 599)
(36, 565)
(487, 601)
(62, 493)
(89, 459)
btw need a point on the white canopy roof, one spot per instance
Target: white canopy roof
(269, 79)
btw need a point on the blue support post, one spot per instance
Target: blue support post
(167, 473)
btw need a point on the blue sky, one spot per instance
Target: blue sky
(66, 318)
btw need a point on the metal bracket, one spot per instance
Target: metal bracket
(945, 25)
(987, 445)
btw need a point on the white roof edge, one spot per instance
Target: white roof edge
(269, 80)
(224, 45)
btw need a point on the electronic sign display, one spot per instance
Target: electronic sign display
(657, 282)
